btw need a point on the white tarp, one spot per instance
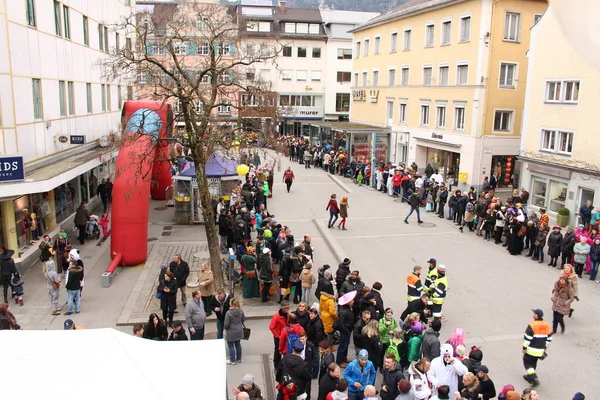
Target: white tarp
(108, 364)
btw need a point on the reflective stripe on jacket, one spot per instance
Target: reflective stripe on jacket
(438, 290)
(537, 338)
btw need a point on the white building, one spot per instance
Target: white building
(55, 106)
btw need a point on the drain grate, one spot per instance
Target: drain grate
(167, 233)
(427, 225)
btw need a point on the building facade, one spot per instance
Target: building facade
(447, 77)
(56, 109)
(559, 164)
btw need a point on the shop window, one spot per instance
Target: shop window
(558, 195)
(538, 192)
(503, 168)
(23, 221)
(66, 200)
(549, 193)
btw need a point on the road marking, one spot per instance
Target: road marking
(330, 241)
(340, 183)
(268, 375)
(394, 235)
(519, 336)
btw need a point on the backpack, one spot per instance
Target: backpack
(291, 339)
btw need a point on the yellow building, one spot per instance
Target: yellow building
(559, 144)
(447, 76)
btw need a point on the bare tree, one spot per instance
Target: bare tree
(191, 55)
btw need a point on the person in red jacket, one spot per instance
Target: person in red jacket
(334, 210)
(292, 328)
(397, 182)
(278, 322)
(288, 178)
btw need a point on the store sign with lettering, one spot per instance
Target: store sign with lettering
(12, 169)
(359, 95)
(63, 139)
(437, 136)
(544, 169)
(77, 139)
(303, 112)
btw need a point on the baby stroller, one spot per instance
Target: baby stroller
(92, 230)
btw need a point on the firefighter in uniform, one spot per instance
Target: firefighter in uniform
(536, 340)
(415, 286)
(438, 291)
(431, 274)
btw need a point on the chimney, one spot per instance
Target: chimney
(282, 4)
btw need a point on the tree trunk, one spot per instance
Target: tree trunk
(210, 227)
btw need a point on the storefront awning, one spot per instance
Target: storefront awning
(438, 142)
(350, 127)
(47, 178)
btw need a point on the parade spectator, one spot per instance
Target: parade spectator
(195, 317)
(234, 332)
(155, 329)
(220, 305)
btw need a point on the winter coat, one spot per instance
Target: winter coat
(419, 383)
(554, 241)
(391, 379)
(430, 345)
(254, 392)
(303, 318)
(278, 322)
(307, 278)
(324, 362)
(315, 331)
(414, 348)
(585, 213)
(343, 210)
(328, 313)
(540, 239)
(294, 366)
(400, 352)
(341, 274)
(374, 347)
(384, 329)
(532, 232)
(414, 200)
(349, 286)
(345, 319)
(180, 271)
(562, 299)
(440, 374)
(206, 283)
(595, 252)
(7, 264)
(265, 266)
(224, 306)
(324, 285)
(327, 384)
(51, 275)
(582, 248)
(82, 215)
(568, 242)
(283, 338)
(75, 278)
(354, 373)
(573, 282)
(234, 324)
(158, 332)
(168, 300)
(195, 316)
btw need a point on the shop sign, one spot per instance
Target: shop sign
(487, 150)
(12, 169)
(63, 139)
(303, 113)
(437, 136)
(544, 169)
(359, 139)
(77, 139)
(359, 95)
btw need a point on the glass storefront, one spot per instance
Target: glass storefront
(446, 162)
(23, 221)
(503, 168)
(2, 238)
(548, 193)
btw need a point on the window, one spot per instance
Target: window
(508, 72)
(364, 79)
(562, 92)
(105, 39)
(405, 75)
(128, 47)
(302, 52)
(108, 97)
(512, 27)
(377, 45)
(424, 114)
(250, 100)
(459, 118)
(292, 27)
(344, 77)
(444, 74)
(503, 121)
(86, 32)
(224, 107)
(465, 29)
(225, 78)
(441, 117)
(71, 97)
(118, 42)
(407, 36)
(367, 42)
(427, 76)
(301, 76)
(536, 18)
(356, 79)
(180, 48)
(100, 38)
(67, 22)
(62, 100)
(314, 29)
(462, 73)
(316, 52)
(224, 49)
(429, 35)
(394, 42)
(57, 22)
(315, 76)
(344, 54)
(286, 75)
(203, 49)
(88, 95)
(287, 51)
(31, 14)
(119, 96)
(37, 97)
(446, 32)
(342, 102)
(402, 113)
(375, 78)
(557, 141)
(391, 77)
(202, 23)
(206, 78)
(103, 96)
(257, 26)
(357, 51)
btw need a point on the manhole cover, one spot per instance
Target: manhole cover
(427, 225)
(152, 239)
(210, 335)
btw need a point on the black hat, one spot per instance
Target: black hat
(482, 368)
(346, 261)
(432, 261)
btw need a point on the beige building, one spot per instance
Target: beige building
(559, 139)
(447, 76)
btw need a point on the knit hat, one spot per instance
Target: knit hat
(404, 386)
(441, 268)
(248, 380)
(346, 261)
(363, 354)
(579, 396)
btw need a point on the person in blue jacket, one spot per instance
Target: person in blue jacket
(359, 373)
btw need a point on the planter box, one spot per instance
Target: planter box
(563, 220)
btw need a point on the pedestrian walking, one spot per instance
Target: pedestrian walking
(234, 331)
(536, 340)
(82, 216)
(343, 212)
(53, 283)
(206, 285)
(195, 317)
(104, 224)
(569, 274)
(415, 202)
(334, 210)
(7, 269)
(562, 297)
(288, 178)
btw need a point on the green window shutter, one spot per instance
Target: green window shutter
(191, 48)
(149, 48)
(232, 49)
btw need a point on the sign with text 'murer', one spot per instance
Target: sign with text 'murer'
(11, 169)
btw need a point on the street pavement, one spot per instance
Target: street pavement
(490, 297)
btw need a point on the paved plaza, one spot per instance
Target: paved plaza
(490, 297)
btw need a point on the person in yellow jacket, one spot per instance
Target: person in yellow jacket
(328, 313)
(431, 274)
(536, 340)
(438, 291)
